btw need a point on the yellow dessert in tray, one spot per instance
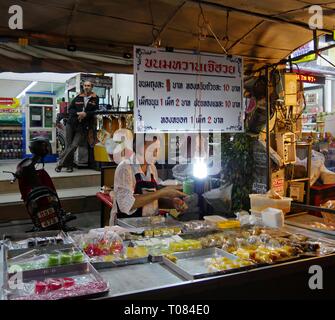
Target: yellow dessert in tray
(185, 245)
(165, 231)
(228, 224)
(224, 263)
(136, 252)
(265, 255)
(171, 257)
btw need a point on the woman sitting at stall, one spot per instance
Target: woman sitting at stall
(135, 186)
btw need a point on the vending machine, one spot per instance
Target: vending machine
(39, 120)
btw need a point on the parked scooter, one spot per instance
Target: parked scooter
(38, 191)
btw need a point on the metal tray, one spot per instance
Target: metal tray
(119, 263)
(28, 274)
(40, 234)
(64, 271)
(198, 234)
(50, 272)
(190, 265)
(16, 238)
(11, 253)
(306, 221)
(145, 223)
(153, 258)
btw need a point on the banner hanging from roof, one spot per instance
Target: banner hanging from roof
(178, 91)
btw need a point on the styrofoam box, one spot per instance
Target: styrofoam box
(273, 218)
(259, 202)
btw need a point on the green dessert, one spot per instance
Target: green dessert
(65, 258)
(77, 257)
(53, 260)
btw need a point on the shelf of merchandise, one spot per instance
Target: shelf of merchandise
(306, 180)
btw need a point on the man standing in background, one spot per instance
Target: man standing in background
(81, 119)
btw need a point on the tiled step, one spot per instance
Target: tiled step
(60, 183)
(62, 180)
(75, 200)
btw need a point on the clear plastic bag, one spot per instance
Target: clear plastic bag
(182, 171)
(101, 244)
(329, 218)
(220, 199)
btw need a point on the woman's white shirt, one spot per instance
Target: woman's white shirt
(124, 185)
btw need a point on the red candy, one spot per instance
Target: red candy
(97, 251)
(54, 284)
(68, 282)
(40, 287)
(43, 287)
(89, 250)
(116, 247)
(103, 248)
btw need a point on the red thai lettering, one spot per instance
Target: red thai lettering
(185, 65)
(211, 66)
(148, 63)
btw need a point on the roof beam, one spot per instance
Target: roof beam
(256, 14)
(168, 21)
(72, 17)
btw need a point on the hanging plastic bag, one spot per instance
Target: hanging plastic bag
(220, 199)
(182, 171)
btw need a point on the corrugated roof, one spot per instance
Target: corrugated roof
(261, 31)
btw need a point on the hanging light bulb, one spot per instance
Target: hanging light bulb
(200, 168)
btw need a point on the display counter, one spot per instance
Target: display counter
(155, 280)
(286, 280)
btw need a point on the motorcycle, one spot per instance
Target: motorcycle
(38, 191)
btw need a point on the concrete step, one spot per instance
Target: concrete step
(75, 200)
(62, 180)
(84, 221)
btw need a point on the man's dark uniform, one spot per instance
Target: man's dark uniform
(77, 131)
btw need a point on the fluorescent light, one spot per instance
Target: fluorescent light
(200, 168)
(22, 93)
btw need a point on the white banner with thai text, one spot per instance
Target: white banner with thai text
(183, 91)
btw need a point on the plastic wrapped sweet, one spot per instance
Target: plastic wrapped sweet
(197, 225)
(164, 231)
(185, 245)
(59, 288)
(253, 240)
(264, 254)
(157, 246)
(106, 244)
(224, 263)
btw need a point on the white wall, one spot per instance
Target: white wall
(11, 84)
(11, 88)
(40, 76)
(124, 86)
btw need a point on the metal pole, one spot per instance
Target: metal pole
(268, 158)
(311, 208)
(309, 168)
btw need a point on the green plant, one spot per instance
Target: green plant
(131, 104)
(238, 167)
